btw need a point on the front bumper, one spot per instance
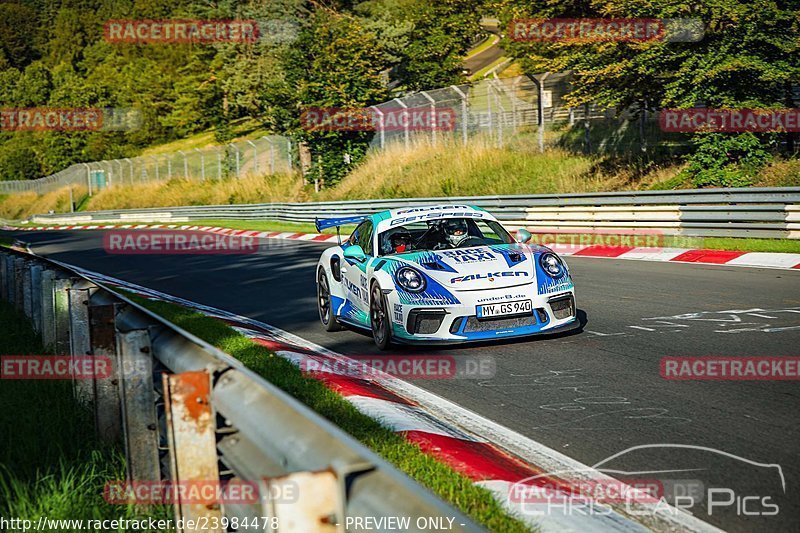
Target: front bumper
(552, 313)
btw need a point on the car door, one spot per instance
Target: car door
(354, 277)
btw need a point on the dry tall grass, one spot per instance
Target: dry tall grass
(450, 169)
(179, 191)
(22, 205)
(423, 170)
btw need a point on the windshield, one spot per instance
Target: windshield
(443, 234)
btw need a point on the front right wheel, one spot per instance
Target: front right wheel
(379, 318)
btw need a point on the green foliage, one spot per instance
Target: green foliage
(18, 160)
(726, 160)
(336, 54)
(17, 26)
(748, 57)
(342, 70)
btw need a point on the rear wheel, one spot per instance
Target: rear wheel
(379, 318)
(324, 303)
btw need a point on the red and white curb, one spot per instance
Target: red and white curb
(493, 456)
(673, 255)
(315, 237)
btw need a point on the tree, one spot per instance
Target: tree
(336, 62)
(749, 57)
(18, 28)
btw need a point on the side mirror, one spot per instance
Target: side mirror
(523, 235)
(355, 252)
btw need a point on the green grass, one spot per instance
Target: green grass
(270, 225)
(451, 486)
(788, 246)
(484, 45)
(242, 129)
(50, 462)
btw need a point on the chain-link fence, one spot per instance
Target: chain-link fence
(266, 155)
(527, 110)
(501, 108)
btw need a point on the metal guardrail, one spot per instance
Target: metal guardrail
(187, 411)
(737, 212)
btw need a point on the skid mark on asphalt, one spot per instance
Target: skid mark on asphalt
(731, 321)
(582, 403)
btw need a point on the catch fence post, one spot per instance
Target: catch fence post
(432, 119)
(255, 156)
(406, 126)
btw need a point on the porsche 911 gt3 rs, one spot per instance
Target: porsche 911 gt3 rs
(443, 273)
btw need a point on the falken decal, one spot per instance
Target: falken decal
(489, 275)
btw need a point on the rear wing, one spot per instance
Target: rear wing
(325, 223)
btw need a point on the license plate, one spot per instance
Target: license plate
(519, 307)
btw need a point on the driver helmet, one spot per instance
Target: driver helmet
(400, 241)
(456, 230)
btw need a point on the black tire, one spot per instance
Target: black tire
(324, 303)
(379, 318)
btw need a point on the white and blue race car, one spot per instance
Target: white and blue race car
(444, 273)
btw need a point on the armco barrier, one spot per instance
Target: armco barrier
(742, 212)
(218, 420)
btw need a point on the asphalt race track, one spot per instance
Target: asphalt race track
(590, 394)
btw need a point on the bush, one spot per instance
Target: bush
(727, 160)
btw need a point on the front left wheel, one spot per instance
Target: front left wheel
(324, 303)
(379, 318)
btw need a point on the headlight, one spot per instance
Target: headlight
(551, 264)
(410, 280)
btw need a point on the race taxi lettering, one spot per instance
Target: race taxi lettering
(469, 256)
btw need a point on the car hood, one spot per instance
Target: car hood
(479, 267)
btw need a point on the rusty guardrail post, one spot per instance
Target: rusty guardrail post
(191, 432)
(319, 510)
